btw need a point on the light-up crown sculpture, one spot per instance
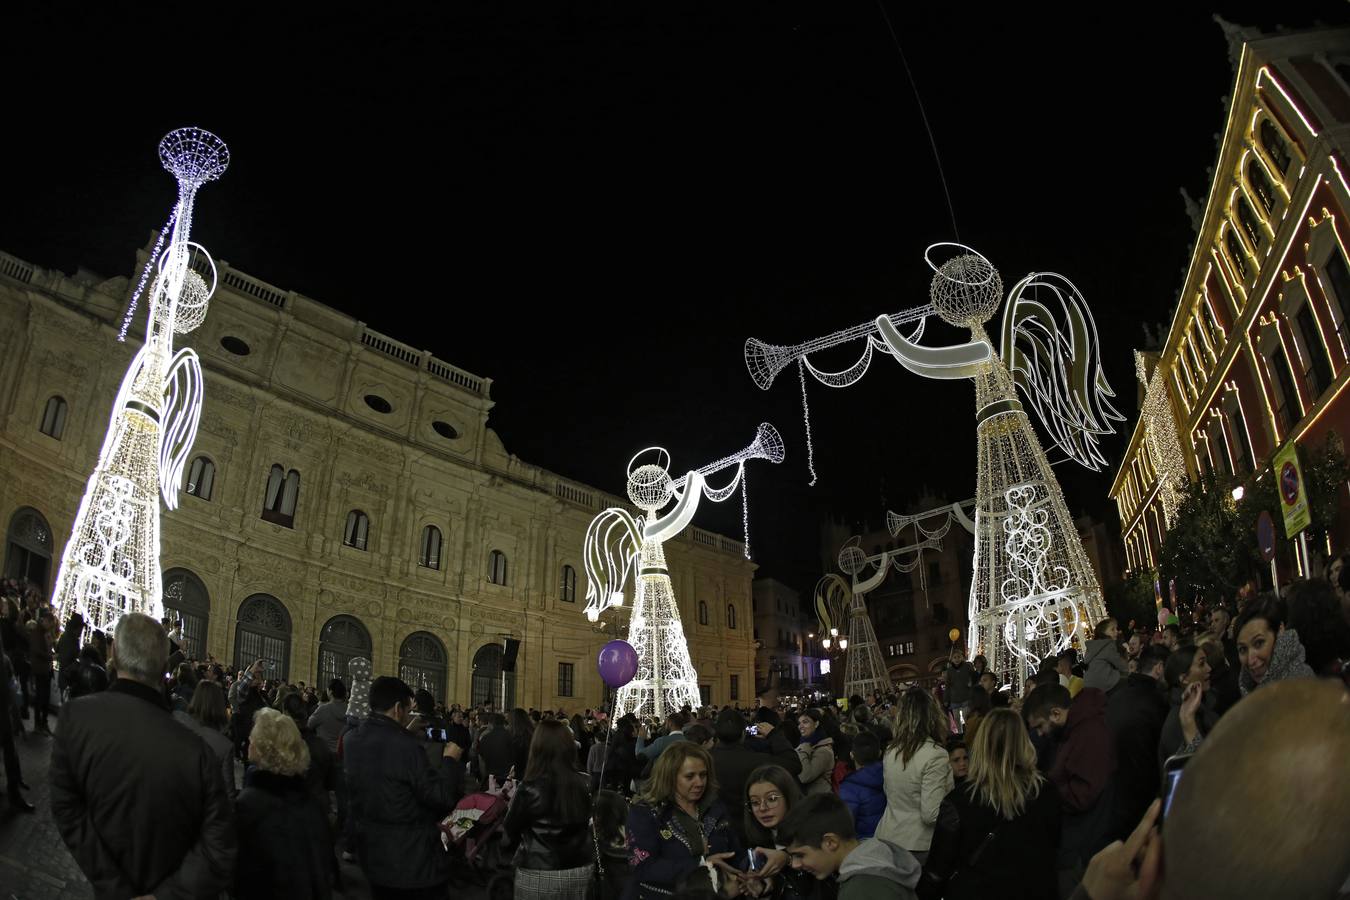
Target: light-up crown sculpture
(110, 565)
(617, 544)
(1033, 590)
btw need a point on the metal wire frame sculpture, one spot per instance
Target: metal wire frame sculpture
(620, 546)
(110, 565)
(1033, 590)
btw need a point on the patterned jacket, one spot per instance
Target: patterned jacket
(660, 851)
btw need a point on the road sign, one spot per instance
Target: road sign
(1293, 495)
(1265, 535)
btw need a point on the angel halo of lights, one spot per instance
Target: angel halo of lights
(110, 565)
(1033, 592)
(620, 547)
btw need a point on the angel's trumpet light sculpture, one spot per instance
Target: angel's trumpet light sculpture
(1033, 590)
(110, 565)
(618, 546)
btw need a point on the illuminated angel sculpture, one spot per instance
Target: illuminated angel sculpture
(1033, 590)
(110, 565)
(619, 546)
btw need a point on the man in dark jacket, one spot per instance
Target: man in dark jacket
(733, 761)
(397, 799)
(1135, 713)
(139, 799)
(496, 753)
(1083, 771)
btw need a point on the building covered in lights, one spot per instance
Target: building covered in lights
(345, 498)
(1258, 352)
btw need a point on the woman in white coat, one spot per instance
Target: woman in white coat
(917, 773)
(816, 751)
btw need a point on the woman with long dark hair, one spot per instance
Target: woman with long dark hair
(522, 733)
(998, 832)
(816, 752)
(1192, 715)
(550, 815)
(918, 773)
(770, 794)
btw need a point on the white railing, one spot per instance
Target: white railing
(455, 375)
(390, 347)
(252, 287)
(573, 494)
(16, 268)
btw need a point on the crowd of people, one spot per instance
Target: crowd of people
(172, 777)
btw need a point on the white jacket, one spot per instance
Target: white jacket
(914, 793)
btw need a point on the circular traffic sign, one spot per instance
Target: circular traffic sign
(1289, 483)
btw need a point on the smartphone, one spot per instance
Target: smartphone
(752, 730)
(1172, 770)
(752, 861)
(437, 734)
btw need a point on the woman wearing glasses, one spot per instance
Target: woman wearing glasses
(770, 793)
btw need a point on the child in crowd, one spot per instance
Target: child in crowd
(864, 790)
(611, 838)
(822, 841)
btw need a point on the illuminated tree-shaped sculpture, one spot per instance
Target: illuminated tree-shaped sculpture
(1033, 590)
(837, 599)
(620, 546)
(110, 565)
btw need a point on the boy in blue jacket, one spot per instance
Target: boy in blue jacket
(864, 790)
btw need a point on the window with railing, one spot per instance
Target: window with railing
(1316, 366)
(1277, 149)
(357, 530)
(1261, 185)
(1237, 255)
(1238, 423)
(1250, 224)
(1337, 283)
(1287, 409)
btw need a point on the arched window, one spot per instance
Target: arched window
(1236, 253)
(421, 663)
(342, 640)
(429, 557)
(1249, 223)
(54, 418)
(1260, 184)
(357, 530)
(263, 632)
(185, 599)
(28, 548)
(731, 615)
(489, 679)
(201, 478)
(497, 567)
(702, 613)
(568, 593)
(1275, 146)
(283, 491)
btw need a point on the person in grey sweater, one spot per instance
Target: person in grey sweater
(1105, 666)
(330, 719)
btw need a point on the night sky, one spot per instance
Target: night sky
(595, 208)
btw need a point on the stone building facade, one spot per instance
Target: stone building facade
(346, 497)
(788, 654)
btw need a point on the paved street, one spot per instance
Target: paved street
(35, 865)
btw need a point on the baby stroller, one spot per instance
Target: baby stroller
(474, 830)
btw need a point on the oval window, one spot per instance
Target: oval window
(445, 430)
(234, 345)
(378, 403)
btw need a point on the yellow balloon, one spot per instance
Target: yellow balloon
(954, 634)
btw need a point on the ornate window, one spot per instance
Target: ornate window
(1236, 253)
(1275, 146)
(357, 531)
(28, 548)
(1211, 327)
(54, 418)
(731, 615)
(201, 478)
(185, 599)
(421, 663)
(1287, 409)
(1249, 223)
(283, 491)
(264, 632)
(1316, 366)
(496, 567)
(565, 673)
(702, 612)
(342, 639)
(429, 557)
(1338, 283)
(568, 588)
(1241, 437)
(1260, 184)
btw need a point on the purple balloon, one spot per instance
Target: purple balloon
(618, 663)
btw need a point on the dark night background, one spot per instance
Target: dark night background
(595, 207)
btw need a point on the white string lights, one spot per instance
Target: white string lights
(619, 545)
(110, 565)
(1049, 349)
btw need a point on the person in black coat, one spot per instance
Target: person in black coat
(139, 799)
(997, 834)
(397, 800)
(13, 775)
(734, 760)
(1135, 713)
(68, 651)
(550, 817)
(285, 848)
(496, 752)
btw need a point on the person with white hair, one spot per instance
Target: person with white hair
(139, 799)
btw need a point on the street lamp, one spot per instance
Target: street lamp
(843, 643)
(1238, 493)
(825, 643)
